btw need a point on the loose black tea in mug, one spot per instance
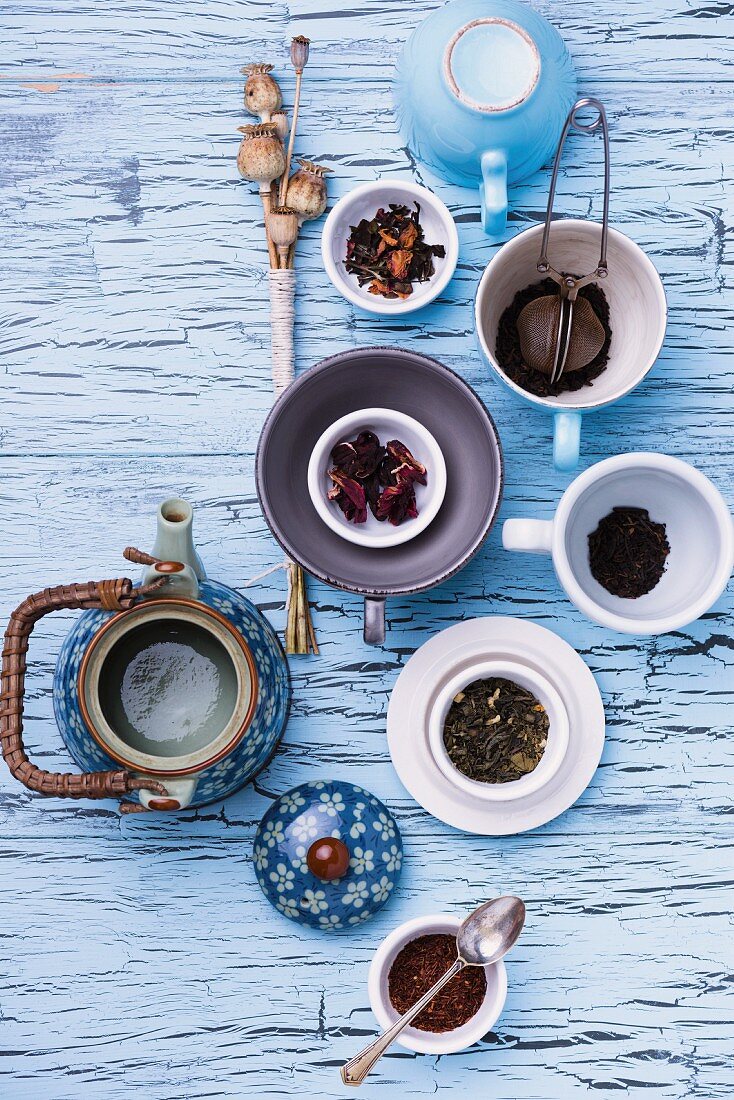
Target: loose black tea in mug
(509, 354)
(495, 731)
(627, 552)
(417, 968)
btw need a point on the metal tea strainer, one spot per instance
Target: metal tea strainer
(562, 333)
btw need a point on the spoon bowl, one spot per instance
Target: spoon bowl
(490, 931)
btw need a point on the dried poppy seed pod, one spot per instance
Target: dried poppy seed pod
(279, 119)
(262, 91)
(261, 156)
(299, 52)
(282, 225)
(306, 193)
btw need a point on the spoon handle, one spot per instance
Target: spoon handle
(355, 1070)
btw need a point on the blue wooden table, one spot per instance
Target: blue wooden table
(138, 955)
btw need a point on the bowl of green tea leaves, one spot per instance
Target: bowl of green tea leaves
(498, 730)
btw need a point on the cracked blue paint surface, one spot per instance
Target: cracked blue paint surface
(139, 954)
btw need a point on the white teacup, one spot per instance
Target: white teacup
(638, 315)
(699, 530)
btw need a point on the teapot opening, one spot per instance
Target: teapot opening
(168, 688)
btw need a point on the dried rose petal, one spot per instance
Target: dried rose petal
(397, 503)
(389, 236)
(349, 495)
(402, 457)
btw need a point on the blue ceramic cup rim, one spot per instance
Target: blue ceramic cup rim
(466, 102)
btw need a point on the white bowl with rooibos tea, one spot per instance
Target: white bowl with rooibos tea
(405, 966)
(377, 477)
(498, 730)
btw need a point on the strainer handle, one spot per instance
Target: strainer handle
(600, 122)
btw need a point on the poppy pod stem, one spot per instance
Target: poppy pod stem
(266, 198)
(299, 57)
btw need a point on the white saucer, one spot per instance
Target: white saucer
(441, 658)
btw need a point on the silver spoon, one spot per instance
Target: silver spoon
(484, 938)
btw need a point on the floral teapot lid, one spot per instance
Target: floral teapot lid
(328, 854)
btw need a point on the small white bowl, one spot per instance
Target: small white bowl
(558, 729)
(386, 424)
(364, 202)
(429, 1042)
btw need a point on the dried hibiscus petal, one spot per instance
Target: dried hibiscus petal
(372, 490)
(370, 454)
(397, 502)
(349, 495)
(403, 458)
(386, 471)
(367, 475)
(344, 457)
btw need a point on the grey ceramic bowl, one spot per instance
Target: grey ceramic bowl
(441, 401)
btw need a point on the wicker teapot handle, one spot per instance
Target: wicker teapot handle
(112, 595)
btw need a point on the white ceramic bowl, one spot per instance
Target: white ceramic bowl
(427, 1042)
(386, 424)
(555, 750)
(698, 526)
(364, 202)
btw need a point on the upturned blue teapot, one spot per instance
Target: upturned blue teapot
(482, 91)
(171, 694)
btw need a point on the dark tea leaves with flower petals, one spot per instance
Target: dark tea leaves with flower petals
(495, 731)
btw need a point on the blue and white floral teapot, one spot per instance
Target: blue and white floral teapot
(167, 695)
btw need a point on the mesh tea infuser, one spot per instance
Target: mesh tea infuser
(561, 332)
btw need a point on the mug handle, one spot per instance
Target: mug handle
(566, 440)
(530, 536)
(374, 620)
(493, 192)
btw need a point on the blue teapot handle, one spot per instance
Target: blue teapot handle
(493, 192)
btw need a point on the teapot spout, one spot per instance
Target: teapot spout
(174, 535)
(174, 543)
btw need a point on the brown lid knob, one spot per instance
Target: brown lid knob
(328, 858)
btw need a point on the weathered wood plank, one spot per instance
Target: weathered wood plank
(139, 954)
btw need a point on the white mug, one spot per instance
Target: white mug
(698, 526)
(638, 314)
